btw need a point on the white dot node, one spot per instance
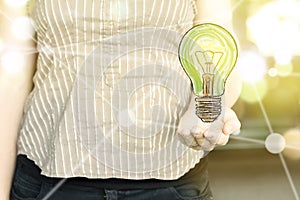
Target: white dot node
(124, 118)
(46, 50)
(275, 143)
(273, 72)
(23, 28)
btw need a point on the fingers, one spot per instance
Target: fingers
(198, 137)
(222, 140)
(232, 124)
(220, 129)
(192, 138)
(206, 136)
(195, 139)
(186, 138)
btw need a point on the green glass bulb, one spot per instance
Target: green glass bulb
(208, 53)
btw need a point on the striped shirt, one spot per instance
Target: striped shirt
(109, 89)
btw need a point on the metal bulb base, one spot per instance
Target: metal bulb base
(208, 108)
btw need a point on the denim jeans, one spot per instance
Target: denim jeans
(27, 186)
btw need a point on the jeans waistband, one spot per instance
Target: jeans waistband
(33, 170)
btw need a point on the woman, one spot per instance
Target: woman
(110, 105)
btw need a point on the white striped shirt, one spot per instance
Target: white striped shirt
(109, 89)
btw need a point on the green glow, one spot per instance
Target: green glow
(248, 93)
(208, 49)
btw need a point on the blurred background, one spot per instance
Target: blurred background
(263, 161)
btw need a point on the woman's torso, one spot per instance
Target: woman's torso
(109, 89)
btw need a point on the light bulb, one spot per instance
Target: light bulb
(208, 53)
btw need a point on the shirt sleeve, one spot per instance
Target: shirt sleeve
(29, 7)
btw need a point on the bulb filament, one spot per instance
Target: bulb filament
(208, 107)
(208, 83)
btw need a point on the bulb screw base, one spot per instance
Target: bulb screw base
(208, 108)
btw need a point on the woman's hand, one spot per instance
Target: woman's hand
(206, 136)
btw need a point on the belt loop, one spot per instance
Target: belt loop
(111, 194)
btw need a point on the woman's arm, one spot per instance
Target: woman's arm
(13, 92)
(15, 86)
(214, 11)
(191, 129)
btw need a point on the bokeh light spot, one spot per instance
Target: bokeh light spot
(292, 138)
(251, 66)
(283, 57)
(275, 27)
(16, 3)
